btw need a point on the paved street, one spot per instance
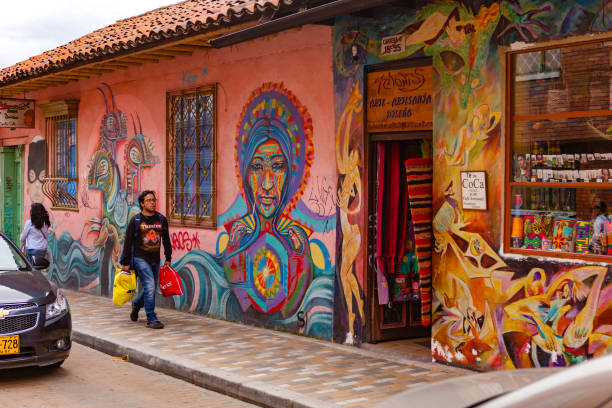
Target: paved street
(266, 366)
(91, 379)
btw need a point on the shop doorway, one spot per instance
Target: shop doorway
(11, 193)
(398, 255)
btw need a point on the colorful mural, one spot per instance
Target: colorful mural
(80, 266)
(271, 266)
(36, 169)
(269, 269)
(488, 312)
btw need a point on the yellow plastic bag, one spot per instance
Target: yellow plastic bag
(124, 286)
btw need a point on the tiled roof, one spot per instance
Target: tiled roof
(173, 21)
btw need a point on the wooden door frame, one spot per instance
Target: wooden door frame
(369, 174)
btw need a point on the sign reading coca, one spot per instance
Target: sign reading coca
(16, 113)
(400, 99)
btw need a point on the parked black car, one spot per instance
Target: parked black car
(35, 321)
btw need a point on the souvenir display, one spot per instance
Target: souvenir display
(563, 234)
(608, 235)
(582, 240)
(516, 236)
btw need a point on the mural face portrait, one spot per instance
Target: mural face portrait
(36, 169)
(267, 175)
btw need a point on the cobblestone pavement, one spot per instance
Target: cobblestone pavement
(295, 366)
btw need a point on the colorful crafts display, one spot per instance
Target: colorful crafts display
(563, 234)
(517, 232)
(419, 177)
(608, 233)
(582, 235)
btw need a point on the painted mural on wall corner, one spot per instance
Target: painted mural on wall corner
(36, 169)
(77, 265)
(269, 268)
(488, 312)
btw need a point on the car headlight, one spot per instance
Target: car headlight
(58, 307)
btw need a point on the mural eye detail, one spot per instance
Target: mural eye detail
(102, 168)
(257, 167)
(452, 61)
(278, 166)
(135, 156)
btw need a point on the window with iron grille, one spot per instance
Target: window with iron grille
(191, 151)
(61, 183)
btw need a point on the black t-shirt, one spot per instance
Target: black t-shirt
(152, 231)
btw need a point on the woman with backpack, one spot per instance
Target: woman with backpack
(34, 235)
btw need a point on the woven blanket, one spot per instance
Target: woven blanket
(419, 178)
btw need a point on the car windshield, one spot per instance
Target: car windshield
(10, 258)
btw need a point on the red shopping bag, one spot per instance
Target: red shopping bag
(169, 282)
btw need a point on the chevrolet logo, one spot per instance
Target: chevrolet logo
(3, 313)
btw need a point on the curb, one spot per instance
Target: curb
(233, 385)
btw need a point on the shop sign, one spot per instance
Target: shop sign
(473, 190)
(16, 113)
(394, 44)
(400, 100)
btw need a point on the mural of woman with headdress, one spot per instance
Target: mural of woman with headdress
(267, 258)
(268, 269)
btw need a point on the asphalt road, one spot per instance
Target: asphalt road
(89, 378)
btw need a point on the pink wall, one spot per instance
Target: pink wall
(300, 59)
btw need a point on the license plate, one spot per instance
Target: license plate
(9, 345)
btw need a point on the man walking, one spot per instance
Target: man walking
(145, 233)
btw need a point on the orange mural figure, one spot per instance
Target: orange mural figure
(554, 326)
(349, 202)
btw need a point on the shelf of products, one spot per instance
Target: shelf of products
(559, 135)
(561, 220)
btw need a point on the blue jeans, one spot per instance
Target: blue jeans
(148, 273)
(32, 252)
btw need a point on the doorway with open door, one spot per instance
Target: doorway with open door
(400, 236)
(11, 193)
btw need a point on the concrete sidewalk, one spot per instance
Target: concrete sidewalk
(262, 366)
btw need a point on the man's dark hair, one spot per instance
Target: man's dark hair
(142, 196)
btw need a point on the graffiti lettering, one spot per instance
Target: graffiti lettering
(182, 242)
(323, 200)
(84, 195)
(189, 78)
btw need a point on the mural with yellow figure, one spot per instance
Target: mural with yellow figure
(486, 316)
(475, 132)
(349, 204)
(490, 312)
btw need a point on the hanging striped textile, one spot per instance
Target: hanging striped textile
(419, 178)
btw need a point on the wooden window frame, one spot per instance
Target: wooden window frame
(55, 184)
(209, 222)
(507, 210)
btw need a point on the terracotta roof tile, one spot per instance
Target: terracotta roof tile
(186, 17)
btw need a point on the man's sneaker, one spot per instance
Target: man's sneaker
(134, 314)
(155, 325)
